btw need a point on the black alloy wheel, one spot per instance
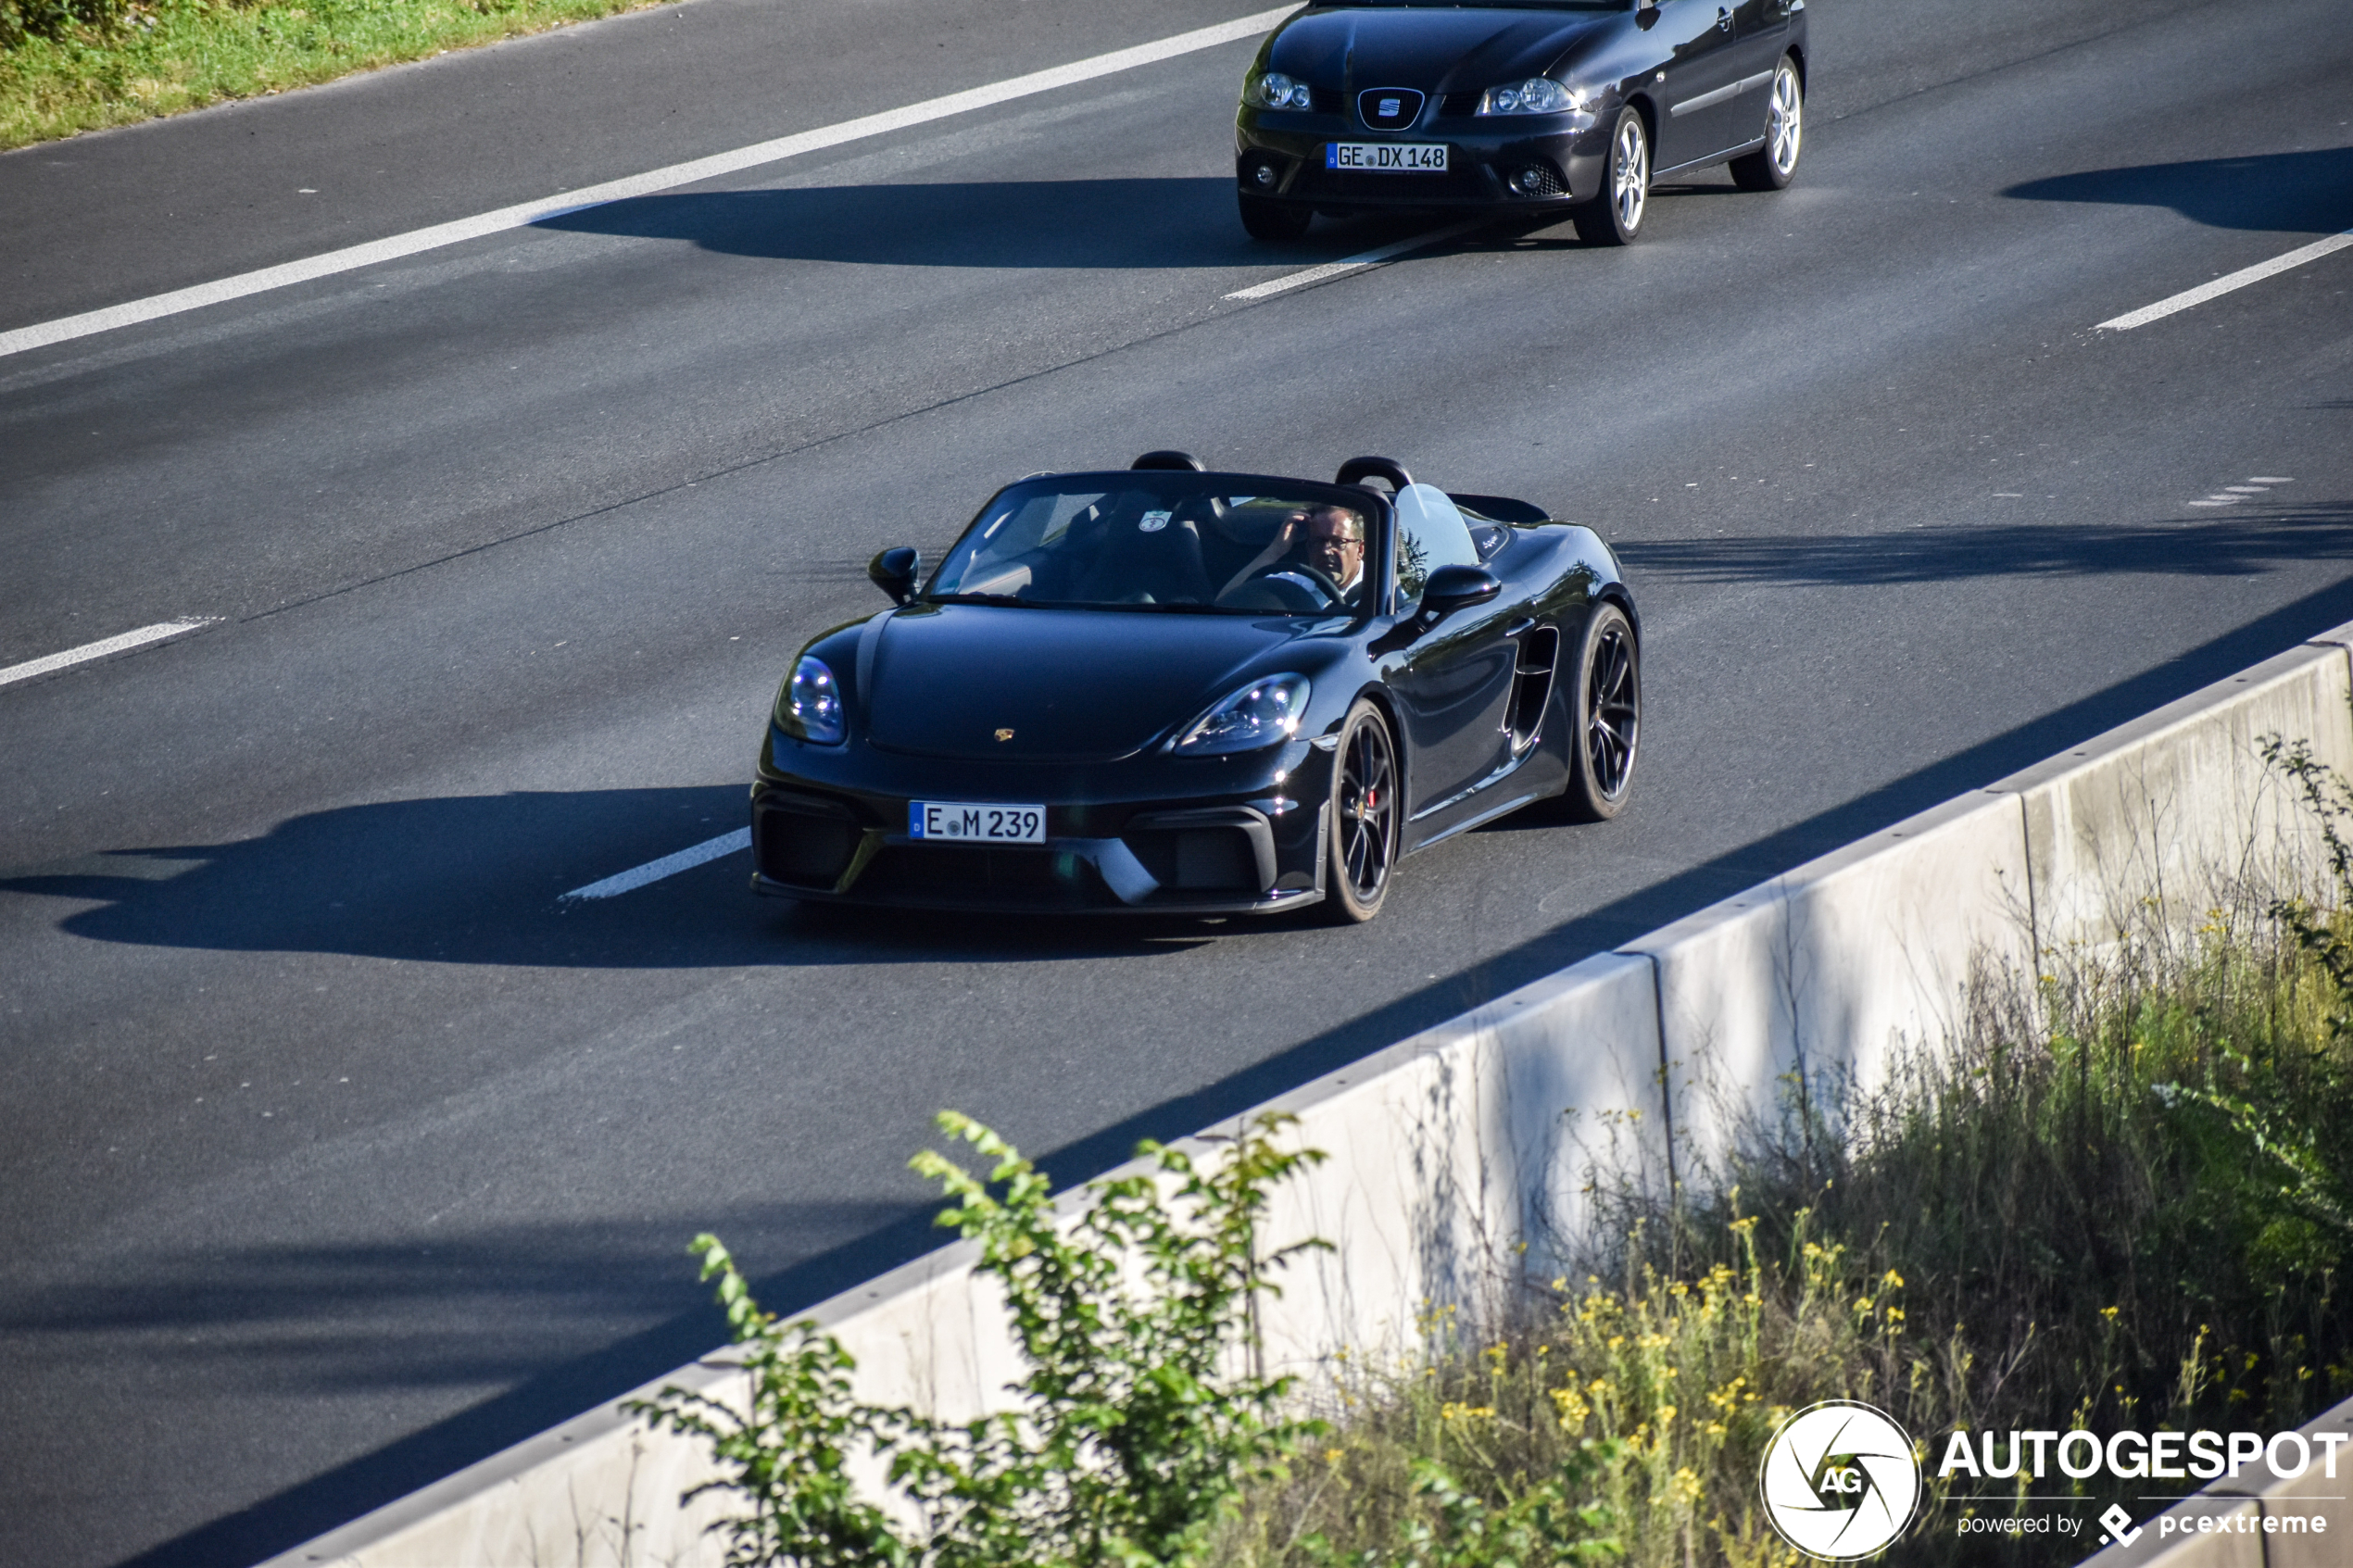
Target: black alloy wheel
(1365, 816)
(1607, 699)
(1614, 216)
(1273, 220)
(1774, 165)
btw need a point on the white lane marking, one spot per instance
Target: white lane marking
(88, 651)
(2223, 285)
(523, 215)
(2205, 503)
(669, 865)
(1350, 264)
(2247, 489)
(2269, 479)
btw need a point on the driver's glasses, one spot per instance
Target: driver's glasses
(1339, 533)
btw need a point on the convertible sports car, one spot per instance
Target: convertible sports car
(1163, 689)
(1572, 105)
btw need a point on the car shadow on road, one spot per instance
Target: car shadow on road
(1019, 224)
(2308, 191)
(481, 879)
(2237, 544)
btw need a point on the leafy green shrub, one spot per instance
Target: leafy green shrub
(1132, 1435)
(20, 19)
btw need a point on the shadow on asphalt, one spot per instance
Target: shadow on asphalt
(479, 879)
(2230, 544)
(2306, 191)
(1027, 224)
(544, 1395)
(1024, 223)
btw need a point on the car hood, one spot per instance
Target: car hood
(1063, 684)
(1437, 49)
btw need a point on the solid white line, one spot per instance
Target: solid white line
(41, 335)
(2223, 285)
(1351, 264)
(140, 638)
(669, 865)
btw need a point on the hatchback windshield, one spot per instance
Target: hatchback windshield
(1161, 542)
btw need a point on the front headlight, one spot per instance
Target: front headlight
(1258, 715)
(810, 705)
(1276, 91)
(1537, 96)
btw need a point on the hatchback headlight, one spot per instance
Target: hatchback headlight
(1276, 91)
(810, 705)
(1258, 715)
(1536, 95)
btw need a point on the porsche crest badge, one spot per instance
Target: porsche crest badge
(1005, 734)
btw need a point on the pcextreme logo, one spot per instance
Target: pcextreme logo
(1840, 1480)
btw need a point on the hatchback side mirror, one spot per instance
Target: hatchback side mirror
(1451, 589)
(894, 571)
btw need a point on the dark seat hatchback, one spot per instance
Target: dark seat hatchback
(1570, 107)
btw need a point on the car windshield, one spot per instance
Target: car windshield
(1161, 541)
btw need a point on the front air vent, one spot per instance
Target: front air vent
(1458, 103)
(804, 844)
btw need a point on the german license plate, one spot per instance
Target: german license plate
(971, 820)
(1387, 157)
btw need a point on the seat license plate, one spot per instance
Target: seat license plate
(1387, 157)
(971, 820)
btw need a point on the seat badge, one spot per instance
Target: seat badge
(1005, 734)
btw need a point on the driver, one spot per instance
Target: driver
(1330, 542)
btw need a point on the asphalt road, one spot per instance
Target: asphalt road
(334, 1153)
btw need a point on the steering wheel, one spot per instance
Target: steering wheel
(1315, 576)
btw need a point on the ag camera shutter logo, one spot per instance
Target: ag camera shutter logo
(1840, 1481)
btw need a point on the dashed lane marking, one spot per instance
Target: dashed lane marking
(2226, 284)
(669, 865)
(2231, 494)
(1350, 264)
(66, 328)
(88, 651)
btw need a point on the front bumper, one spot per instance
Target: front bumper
(1144, 835)
(1499, 163)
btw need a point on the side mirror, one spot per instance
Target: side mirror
(1451, 589)
(894, 571)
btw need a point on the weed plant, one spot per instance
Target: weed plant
(1139, 1420)
(67, 66)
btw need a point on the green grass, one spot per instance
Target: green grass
(112, 64)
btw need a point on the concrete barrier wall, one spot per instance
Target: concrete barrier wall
(1452, 1149)
(2176, 809)
(1813, 977)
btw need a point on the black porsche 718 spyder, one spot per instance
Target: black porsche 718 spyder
(1164, 689)
(1526, 105)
